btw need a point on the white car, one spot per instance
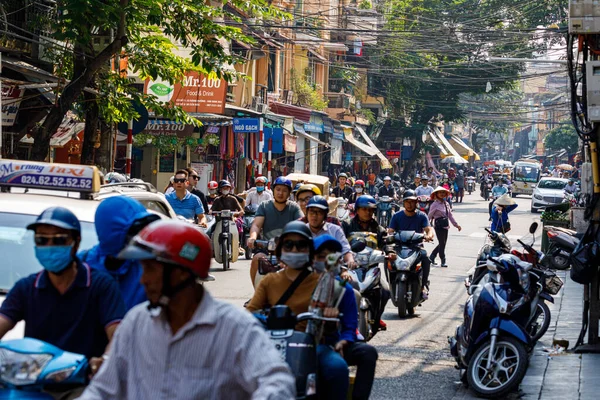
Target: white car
(21, 203)
(548, 191)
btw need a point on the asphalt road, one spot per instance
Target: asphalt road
(414, 358)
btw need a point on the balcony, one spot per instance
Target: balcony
(362, 20)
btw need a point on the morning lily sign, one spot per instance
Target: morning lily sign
(197, 93)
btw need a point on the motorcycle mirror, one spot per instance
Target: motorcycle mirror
(272, 244)
(533, 227)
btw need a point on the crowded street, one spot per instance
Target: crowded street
(414, 359)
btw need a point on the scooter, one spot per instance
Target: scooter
(561, 243)
(470, 184)
(423, 203)
(225, 239)
(249, 213)
(27, 366)
(405, 274)
(486, 189)
(342, 211)
(366, 279)
(384, 210)
(491, 346)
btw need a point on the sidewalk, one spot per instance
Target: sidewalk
(566, 376)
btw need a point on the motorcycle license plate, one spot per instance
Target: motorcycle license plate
(281, 346)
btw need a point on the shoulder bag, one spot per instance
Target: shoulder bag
(442, 222)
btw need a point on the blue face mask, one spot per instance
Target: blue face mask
(260, 189)
(54, 258)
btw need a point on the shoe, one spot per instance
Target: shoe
(444, 265)
(433, 263)
(425, 294)
(382, 325)
(359, 336)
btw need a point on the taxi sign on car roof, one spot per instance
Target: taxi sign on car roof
(84, 179)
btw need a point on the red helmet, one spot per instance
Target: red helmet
(174, 242)
(213, 185)
(359, 182)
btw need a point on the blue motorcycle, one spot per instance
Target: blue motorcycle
(28, 366)
(491, 346)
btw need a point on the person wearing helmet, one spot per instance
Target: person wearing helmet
(303, 196)
(226, 201)
(179, 332)
(341, 348)
(212, 192)
(471, 172)
(67, 304)
(363, 221)
(259, 193)
(451, 173)
(271, 217)
(114, 177)
(316, 212)
(117, 220)
(424, 189)
(183, 202)
(359, 190)
(342, 190)
(416, 183)
(459, 186)
(387, 189)
(194, 178)
(412, 219)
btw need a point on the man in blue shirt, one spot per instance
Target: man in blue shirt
(411, 219)
(117, 220)
(67, 304)
(183, 202)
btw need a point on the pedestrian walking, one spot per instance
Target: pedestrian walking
(500, 210)
(459, 183)
(440, 215)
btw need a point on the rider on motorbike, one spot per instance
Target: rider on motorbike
(212, 192)
(342, 190)
(424, 189)
(259, 194)
(411, 219)
(416, 183)
(227, 200)
(359, 190)
(271, 217)
(365, 207)
(387, 189)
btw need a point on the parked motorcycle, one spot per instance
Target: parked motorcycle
(366, 279)
(405, 275)
(384, 210)
(248, 219)
(225, 239)
(28, 366)
(491, 346)
(470, 184)
(561, 243)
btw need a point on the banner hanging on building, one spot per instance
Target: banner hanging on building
(11, 100)
(276, 136)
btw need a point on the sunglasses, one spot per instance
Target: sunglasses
(196, 177)
(46, 240)
(179, 180)
(300, 245)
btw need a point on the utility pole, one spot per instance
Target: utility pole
(1, 143)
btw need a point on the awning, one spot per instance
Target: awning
(316, 55)
(212, 119)
(445, 142)
(299, 130)
(300, 113)
(443, 151)
(69, 129)
(385, 163)
(462, 148)
(335, 46)
(242, 110)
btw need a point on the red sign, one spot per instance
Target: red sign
(196, 93)
(393, 153)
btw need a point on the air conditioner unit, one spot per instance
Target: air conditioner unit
(262, 108)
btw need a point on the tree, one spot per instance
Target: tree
(563, 137)
(147, 33)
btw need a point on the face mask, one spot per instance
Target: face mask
(294, 260)
(319, 266)
(260, 189)
(225, 192)
(212, 191)
(359, 190)
(54, 258)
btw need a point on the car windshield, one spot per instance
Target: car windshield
(17, 247)
(526, 173)
(552, 184)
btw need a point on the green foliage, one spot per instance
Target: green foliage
(365, 5)
(306, 94)
(563, 137)
(368, 115)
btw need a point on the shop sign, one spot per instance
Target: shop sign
(11, 100)
(313, 127)
(196, 93)
(157, 128)
(393, 153)
(246, 125)
(338, 135)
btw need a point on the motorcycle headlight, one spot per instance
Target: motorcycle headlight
(524, 280)
(538, 197)
(402, 264)
(21, 369)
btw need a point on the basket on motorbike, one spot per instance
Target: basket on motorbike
(553, 283)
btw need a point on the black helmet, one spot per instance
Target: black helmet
(409, 195)
(224, 183)
(297, 227)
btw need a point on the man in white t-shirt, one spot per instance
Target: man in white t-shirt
(424, 189)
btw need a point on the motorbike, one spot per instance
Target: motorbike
(268, 264)
(225, 239)
(342, 211)
(470, 184)
(405, 275)
(423, 203)
(486, 189)
(384, 210)
(28, 365)
(491, 346)
(561, 243)
(366, 279)
(248, 219)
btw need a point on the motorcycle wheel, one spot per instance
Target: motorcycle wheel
(402, 302)
(224, 255)
(558, 261)
(363, 324)
(541, 321)
(507, 372)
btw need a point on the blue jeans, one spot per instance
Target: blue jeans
(333, 371)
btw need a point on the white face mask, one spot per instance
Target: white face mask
(225, 192)
(358, 190)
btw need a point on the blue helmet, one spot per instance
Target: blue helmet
(59, 217)
(318, 202)
(283, 181)
(365, 201)
(327, 241)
